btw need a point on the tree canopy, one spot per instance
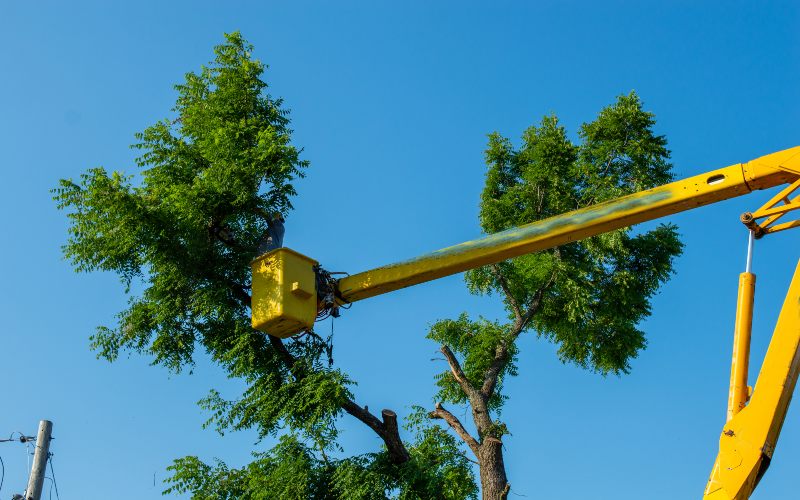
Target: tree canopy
(181, 231)
(587, 297)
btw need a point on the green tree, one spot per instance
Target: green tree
(183, 231)
(586, 297)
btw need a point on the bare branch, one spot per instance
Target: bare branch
(387, 429)
(477, 402)
(455, 369)
(455, 424)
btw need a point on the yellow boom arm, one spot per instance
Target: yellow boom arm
(289, 290)
(730, 182)
(285, 299)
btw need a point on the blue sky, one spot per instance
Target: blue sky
(392, 103)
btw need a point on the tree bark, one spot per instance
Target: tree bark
(387, 430)
(489, 452)
(494, 483)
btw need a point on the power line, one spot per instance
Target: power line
(26, 440)
(52, 473)
(22, 438)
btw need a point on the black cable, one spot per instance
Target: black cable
(52, 473)
(3, 477)
(22, 438)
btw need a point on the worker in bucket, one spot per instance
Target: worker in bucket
(273, 236)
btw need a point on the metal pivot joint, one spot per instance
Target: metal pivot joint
(765, 220)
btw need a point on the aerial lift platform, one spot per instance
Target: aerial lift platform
(291, 291)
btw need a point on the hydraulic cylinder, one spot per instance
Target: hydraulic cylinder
(739, 392)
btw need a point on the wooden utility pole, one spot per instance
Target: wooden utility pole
(40, 456)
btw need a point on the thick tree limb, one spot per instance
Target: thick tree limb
(477, 401)
(239, 291)
(455, 424)
(387, 429)
(397, 449)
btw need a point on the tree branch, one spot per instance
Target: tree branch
(455, 369)
(477, 402)
(533, 305)
(286, 357)
(455, 424)
(239, 291)
(507, 291)
(501, 356)
(387, 429)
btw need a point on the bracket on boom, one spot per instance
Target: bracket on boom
(772, 211)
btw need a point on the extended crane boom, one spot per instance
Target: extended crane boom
(286, 294)
(730, 182)
(290, 290)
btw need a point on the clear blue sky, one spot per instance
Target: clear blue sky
(392, 103)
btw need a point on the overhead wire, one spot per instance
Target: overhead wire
(53, 473)
(22, 438)
(26, 440)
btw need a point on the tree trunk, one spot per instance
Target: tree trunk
(494, 483)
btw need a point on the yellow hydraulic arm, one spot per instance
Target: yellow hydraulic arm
(285, 298)
(729, 182)
(751, 433)
(290, 291)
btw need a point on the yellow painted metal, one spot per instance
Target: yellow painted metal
(284, 298)
(748, 440)
(773, 210)
(739, 392)
(736, 180)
